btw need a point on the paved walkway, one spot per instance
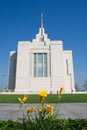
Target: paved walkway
(67, 110)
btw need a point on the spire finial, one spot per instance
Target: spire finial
(42, 24)
(41, 20)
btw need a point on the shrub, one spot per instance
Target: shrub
(48, 124)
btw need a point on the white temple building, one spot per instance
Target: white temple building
(41, 65)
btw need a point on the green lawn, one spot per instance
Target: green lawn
(66, 98)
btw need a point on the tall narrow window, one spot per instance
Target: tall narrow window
(45, 65)
(35, 57)
(67, 70)
(40, 65)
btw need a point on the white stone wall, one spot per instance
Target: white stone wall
(57, 72)
(25, 81)
(57, 76)
(56, 66)
(69, 78)
(23, 67)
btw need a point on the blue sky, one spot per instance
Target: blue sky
(64, 20)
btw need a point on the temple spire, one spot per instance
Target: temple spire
(41, 20)
(42, 24)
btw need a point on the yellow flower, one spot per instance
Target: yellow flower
(50, 109)
(40, 109)
(42, 94)
(61, 90)
(20, 100)
(23, 100)
(30, 110)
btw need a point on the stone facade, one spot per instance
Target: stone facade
(41, 64)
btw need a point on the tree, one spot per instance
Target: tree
(77, 87)
(85, 85)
